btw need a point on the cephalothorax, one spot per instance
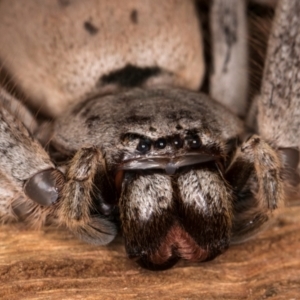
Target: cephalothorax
(176, 170)
(164, 151)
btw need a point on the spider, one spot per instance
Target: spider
(132, 145)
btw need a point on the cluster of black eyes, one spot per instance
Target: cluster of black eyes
(145, 144)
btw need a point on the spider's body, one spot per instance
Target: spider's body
(154, 142)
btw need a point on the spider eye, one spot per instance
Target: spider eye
(177, 142)
(144, 146)
(194, 142)
(161, 143)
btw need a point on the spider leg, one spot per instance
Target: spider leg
(76, 208)
(21, 155)
(279, 101)
(229, 78)
(15, 107)
(8, 194)
(27, 174)
(254, 175)
(24, 161)
(15, 206)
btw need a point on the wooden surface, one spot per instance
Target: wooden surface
(54, 265)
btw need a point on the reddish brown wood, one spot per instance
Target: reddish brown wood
(54, 265)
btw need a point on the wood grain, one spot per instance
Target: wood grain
(54, 265)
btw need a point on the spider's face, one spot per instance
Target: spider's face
(167, 153)
(164, 152)
(149, 129)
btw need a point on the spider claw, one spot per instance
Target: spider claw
(97, 231)
(44, 187)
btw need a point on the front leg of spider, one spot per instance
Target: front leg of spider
(83, 205)
(255, 176)
(279, 99)
(37, 192)
(26, 168)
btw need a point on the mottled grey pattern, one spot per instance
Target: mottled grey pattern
(112, 123)
(279, 104)
(229, 76)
